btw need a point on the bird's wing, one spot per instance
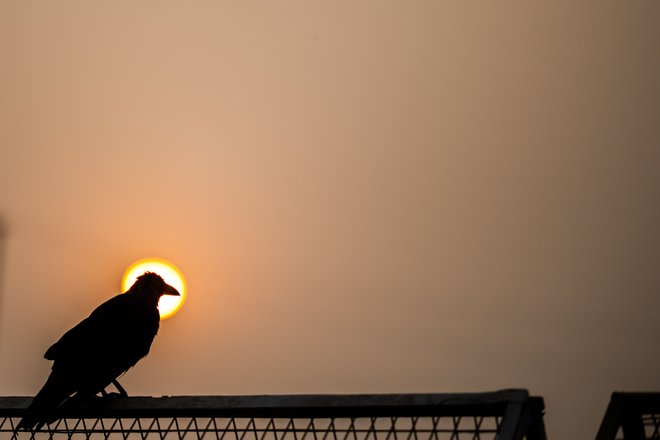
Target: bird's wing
(93, 331)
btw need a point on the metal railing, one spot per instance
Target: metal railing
(500, 415)
(631, 416)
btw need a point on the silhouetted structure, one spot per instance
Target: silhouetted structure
(91, 355)
(631, 416)
(3, 241)
(505, 415)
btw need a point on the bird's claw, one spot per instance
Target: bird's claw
(122, 391)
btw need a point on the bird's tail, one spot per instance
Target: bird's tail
(43, 406)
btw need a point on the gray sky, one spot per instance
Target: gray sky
(364, 197)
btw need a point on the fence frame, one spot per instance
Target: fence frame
(626, 411)
(522, 414)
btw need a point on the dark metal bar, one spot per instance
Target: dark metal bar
(536, 429)
(611, 421)
(490, 404)
(511, 425)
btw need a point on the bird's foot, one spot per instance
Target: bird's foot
(121, 392)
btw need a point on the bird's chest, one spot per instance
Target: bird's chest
(137, 330)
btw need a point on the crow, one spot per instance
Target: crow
(94, 353)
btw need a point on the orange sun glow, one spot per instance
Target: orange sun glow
(168, 305)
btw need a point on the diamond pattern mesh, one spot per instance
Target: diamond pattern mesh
(651, 425)
(215, 428)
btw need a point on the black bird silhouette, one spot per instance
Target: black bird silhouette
(94, 353)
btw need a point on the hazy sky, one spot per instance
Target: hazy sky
(364, 196)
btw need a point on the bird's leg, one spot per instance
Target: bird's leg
(122, 391)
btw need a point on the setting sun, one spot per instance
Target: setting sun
(168, 305)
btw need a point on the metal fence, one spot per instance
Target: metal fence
(631, 416)
(500, 415)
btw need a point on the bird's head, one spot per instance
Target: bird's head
(152, 285)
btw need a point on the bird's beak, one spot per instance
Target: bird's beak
(169, 290)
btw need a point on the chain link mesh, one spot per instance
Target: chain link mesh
(215, 428)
